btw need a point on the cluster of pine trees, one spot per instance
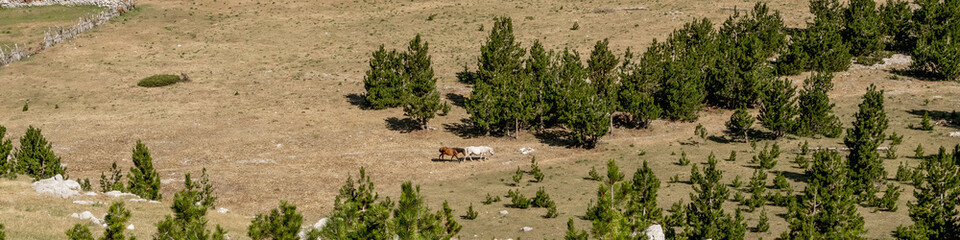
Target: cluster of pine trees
(404, 79)
(34, 158)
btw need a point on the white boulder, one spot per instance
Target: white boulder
(655, 232)
(86, 215)
(503, 212)
(57, 186)
(526, 229)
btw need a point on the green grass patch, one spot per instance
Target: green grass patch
(159, 80)
(26, 24)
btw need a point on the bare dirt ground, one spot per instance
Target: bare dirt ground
(269, 112)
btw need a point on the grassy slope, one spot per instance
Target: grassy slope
(25, 26)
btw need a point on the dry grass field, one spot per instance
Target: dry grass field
(272, 115)
(25, 26)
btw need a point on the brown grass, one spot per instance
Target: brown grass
(292, 134)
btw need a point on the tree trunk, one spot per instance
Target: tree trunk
(516, 129)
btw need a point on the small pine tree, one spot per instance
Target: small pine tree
(777, 109)
(701, 133)
(827, 209)
(594, 175)
(705, 217)
(471, 214)
(190, 207)
(614, 174)
(925, 122)
(936, 51)
(144, 181)
(79, 232)
(903, 173)
(114, 182)
(737, 183)
(412, 218)
(282, 223)
(866, 167)
(815, 110)
(517, 176)
(517, 200)
(641, 207)
(535, 171)
(937, 193)
(802, 162)
(551, 210)
(683, 161)
(3, 234)
(359, 212)
(780, 182)
(35, 156)
(383, 81)
(890, 197)
(918, 152)
(740, 124)
(573, 233)
(116, 220)
(764, 223)
(7, 167)
(542, 199)
(895, 21)
(758, 187)
(733, 156)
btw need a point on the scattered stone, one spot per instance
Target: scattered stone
(138, 200)
(526, 150)
(955, 134)
(85, 202)
(57, 186)
(223, 210)
(318, 226)
(85, 215)
(130, 227)
(119, 194)
(526, 229)
(503, 212)
(91, 193)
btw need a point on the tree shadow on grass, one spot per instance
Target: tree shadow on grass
(357, 100)
(718, 139)
(457, 100)
(952, 119)
(919, 75)
(404, 125)
(796, 177)
(554, 137)
(467, 77)
(464, 129)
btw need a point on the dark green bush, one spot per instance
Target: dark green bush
(159, 80)
(282, 223)
(471, 214)
(35, 156)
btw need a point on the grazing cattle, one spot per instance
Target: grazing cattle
(481, 151)
(445, 151)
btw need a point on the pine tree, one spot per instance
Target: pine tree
(637, 90)
(740, 124)
(895, 18)
(705, 216)
(7, 167)
(777, 110)
(412, 219)
(116, 220)
(601, 66)
(539, 69)
(937, 26)
(35, 156)
(358, 212)
(582, 111)
(827, 209)
(934, 213)
(144, 181)
(691, 50)
(863, 29)
(421, 100)
(758, 187)
(114, 182)
(866, 167)
(641, 207)
(500, 55)
(282, 223)
(573, 233)
(815, 110)
(190, 207)
(78, 232)
(384, 81)
(3, 234)
(746, 43)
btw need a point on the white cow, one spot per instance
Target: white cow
(478, 151)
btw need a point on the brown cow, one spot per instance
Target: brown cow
(445, 151)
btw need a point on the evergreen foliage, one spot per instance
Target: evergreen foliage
(705, 217)
(740, 124)
(640, 84)
(190, 207)
(701, 133)
(594, 175)
(780, 182)
(641, 207)
(282, 223)
(764, 223)
(777, 110)
(543, 83)
(584, 112)
(500, 79)
(573, 233)
(35, 156)
(517, 176)
(116, 220)
(863, 28)
(821, 46)
(866, 167)
(895, 18)
(471, 214)
(733, 156)
(827, 209)
(683, 161)
(384, 81)
(742, 68)
(413, 219)
(517, 200)
(421, 101)
(7, 167)
(114, 182)
(3, 234)
(937, 193)
(758, 187)
(925, 122)
(890, 197)
(542, 199)
(688, 52)
(601, 67)
(78, 232)
(815, 110)
(918, 152)
(535, 170)
(144, 181)
(358, 212)
(937, 26)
